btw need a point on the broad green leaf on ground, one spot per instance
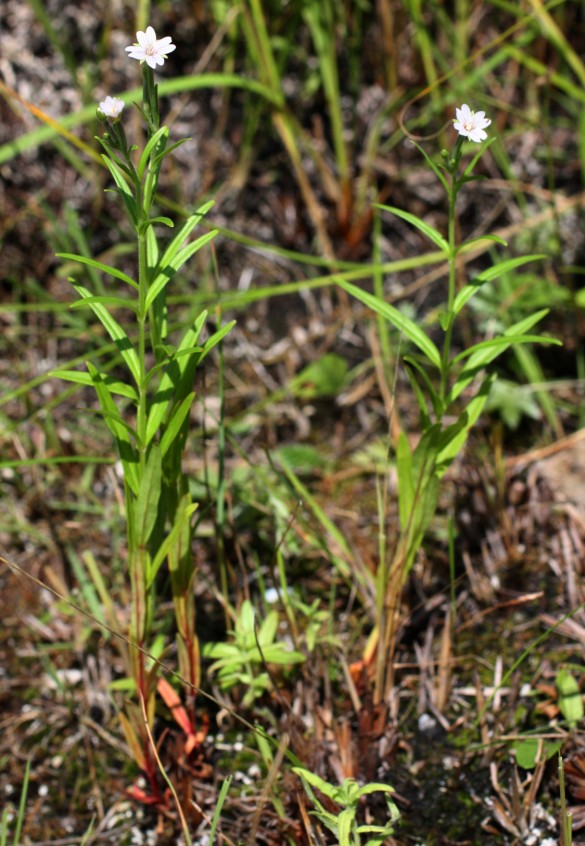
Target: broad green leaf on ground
(570, 698)
(324, 377)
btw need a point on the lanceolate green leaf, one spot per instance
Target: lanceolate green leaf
(149, 147)
(433, 234)
(168, 150)
(473, 409)
(168, 269)
(505, 342)
(405, 483)
(435, 167)
(493, 272)
(170, 384)
(114, 330)
(105, 268)
(117, 427)
(184, 232)
(183, 515)
(81, 378)
(149, 495)
(123, 189)
(214, 339)
(484, 356)
(478, 155)
(118, 302)
(174, 426)
(467, 245)
(153, 221)
(403, 323)
(434, 397)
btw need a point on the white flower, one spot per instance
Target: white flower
(110, 109)
(149, 49)
(471, 124)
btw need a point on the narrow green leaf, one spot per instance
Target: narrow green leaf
(434, 397)
(433, 234)
(117, 427)
(167, 270)
(81, 378)
(268, 628)
(466, 246)
(98, 265)
(473, 409)
(478, 155)
(114, 330)
(152, 221)
(488, 275)
(505, 342)
(316, 781)
(405, 480)
(407, 326)
(176, 243)
(183, 515)
(149, 495)
(168, 150)
(123, 189)
(214, 339)
(120, 302)
(149, 147)
(436, 169)
(345, 821)
(175, 423)
(169, 390)
(480, 358)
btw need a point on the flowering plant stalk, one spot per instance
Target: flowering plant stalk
(147, 413)
(450, 389)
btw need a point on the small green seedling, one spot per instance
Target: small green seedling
(344, 825)
(251, 647)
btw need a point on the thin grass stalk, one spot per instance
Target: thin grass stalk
(259, 39)
(320, 17)
(220, 801)
(566, 815)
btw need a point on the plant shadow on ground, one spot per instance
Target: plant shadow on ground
(448, 745)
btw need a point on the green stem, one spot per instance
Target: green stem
(452, 197)
(141, 320)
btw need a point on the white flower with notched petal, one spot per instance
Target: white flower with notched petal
(149, 49)
(110, 109)
(471, 124)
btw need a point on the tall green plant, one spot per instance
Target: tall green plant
(450, 389)
(147, 412)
